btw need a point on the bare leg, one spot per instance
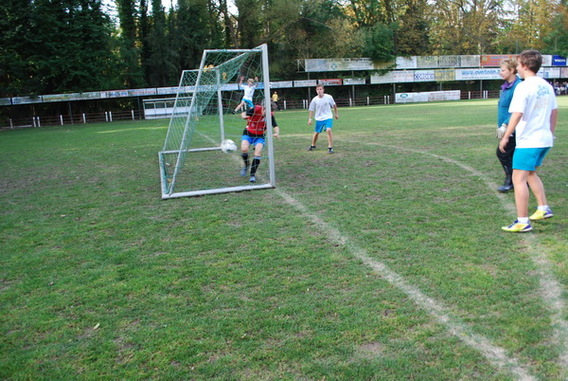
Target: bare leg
(521, 192)
(329, 138)
(537, 188)
(315, 138)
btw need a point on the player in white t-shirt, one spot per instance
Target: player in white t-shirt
(322, 106)
(247, 100)
(534, 116)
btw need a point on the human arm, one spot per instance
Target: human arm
(335, 111)
(515, 119)
(553, 120)
(310, 118)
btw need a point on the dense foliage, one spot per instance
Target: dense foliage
(54, 46)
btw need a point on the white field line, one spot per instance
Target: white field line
(494, 354)
(550, 288)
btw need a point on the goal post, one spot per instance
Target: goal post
(191, 161)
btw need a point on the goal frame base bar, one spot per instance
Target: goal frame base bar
(240, 188)
(203, 192)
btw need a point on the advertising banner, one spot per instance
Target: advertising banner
(558, 61)
(403, 76)
(61, 97)
(428, 96)
(354, 81)
(306, 83)
(470, 61)
(546, 60)
(406, 62)
(442, 75)
(26, 100)
(424, 76)
(281, 84)
(331, 82)
(166, 90)
(477, 74)
(5, 101)
(142, 92)
(378, 79)
(494, 60)
(449, 61)
(427, 62)
(550, 72)
(114, 94)
(338, 64)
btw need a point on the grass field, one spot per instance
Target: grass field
(385, 261)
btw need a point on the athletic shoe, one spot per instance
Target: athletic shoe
(330, 150)
(244, 171)
(311, 148)
(505, 188)
(517, 227)
(252, 179)
(541, 214)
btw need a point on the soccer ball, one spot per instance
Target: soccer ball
(228, 146)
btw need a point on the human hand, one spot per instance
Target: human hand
(503, 143)
(501, 131)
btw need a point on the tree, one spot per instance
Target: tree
(465, 26)
(249, 23)
(130, 68)
(190, 33)
(379, 42)
(52, 47)
(160, 64)
(15, 49)
(556, 42)
(412, 34)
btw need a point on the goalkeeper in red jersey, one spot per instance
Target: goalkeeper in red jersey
(253, 135)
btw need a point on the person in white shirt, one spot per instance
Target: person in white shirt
(534, 115)
(322, 106)
(249, 88)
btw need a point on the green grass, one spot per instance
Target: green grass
(385, 261)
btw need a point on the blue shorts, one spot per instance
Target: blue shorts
(253, 140)
(322, 125)
(248, 103)
(527, 159)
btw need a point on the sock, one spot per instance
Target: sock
(245, 157)
(255, 163)
(543, 207)
(523, 220)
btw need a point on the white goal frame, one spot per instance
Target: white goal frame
(168, 183)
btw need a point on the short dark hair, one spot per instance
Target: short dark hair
(532, 59)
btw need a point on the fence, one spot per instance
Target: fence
(111, 116)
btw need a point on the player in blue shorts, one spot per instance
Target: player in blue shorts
(534, 116)
(253, 136)
(321, 108)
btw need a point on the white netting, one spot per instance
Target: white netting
(191, 162)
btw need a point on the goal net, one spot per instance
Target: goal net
(191, 161)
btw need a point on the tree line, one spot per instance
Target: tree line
(59, 46)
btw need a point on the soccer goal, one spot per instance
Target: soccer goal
(191, 161)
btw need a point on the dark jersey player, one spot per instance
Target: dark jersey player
(253, 136)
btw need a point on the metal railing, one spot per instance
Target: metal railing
(112, 116)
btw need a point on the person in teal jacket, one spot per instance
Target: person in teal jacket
(509, 73)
